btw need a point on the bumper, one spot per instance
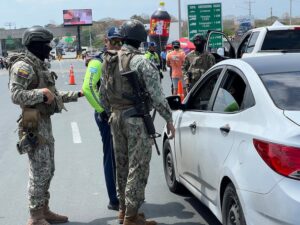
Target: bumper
(281, 206)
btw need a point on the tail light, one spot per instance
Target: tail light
(284, 160)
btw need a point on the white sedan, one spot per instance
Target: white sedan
(237, 142)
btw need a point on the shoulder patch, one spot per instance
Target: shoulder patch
(93, 70)
(23, 71)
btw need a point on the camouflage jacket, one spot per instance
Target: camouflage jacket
(27, 77)
(148, 73)
(196, 64)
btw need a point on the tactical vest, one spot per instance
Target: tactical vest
(114, 64)
(199, 66)
(43, 79)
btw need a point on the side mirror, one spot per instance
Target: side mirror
(174, 102)
(221, 52)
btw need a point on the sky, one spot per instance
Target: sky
(26, 13)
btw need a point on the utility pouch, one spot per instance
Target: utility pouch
(30, 118)
(27, 143)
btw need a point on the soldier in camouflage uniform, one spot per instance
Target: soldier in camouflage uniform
(133, 146)
(32, 87)
(197, 62)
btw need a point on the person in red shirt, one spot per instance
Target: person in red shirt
(175, 60)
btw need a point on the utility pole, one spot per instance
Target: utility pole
(179, 18)
(290, 12)
(271, 15)
(10, 25)
(249, 2)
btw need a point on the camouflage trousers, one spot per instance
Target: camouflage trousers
(133, 150)
(41, 167)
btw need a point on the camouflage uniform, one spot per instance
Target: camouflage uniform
(26, 78)
(133, 147)
(196, 64)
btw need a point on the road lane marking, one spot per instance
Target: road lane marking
(76, 133)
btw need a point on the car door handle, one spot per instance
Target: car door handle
(193, 125)
(225, 128)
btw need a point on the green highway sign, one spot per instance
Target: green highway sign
(204, 17)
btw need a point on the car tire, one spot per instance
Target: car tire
(232, 212)
(169, 170)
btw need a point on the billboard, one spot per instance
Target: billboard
(75, 17)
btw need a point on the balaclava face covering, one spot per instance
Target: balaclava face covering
(40, 49)
(199, 46)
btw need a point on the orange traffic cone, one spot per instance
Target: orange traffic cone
(180, 90)
(71, 76)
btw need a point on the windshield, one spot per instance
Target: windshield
(282, 40)
(284, 89)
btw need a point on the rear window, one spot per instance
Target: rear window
(282, 40)
(284, 89)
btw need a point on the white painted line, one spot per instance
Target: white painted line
(76, 133)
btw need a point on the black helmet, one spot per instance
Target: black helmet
(36, 34)
(133, 30)
(199, 38)
(176, 44)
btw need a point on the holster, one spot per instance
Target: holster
(28, 129)
(30, 119)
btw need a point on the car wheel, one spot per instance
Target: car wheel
(232, 211)
(172, 183)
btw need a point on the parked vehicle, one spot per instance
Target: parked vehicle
(237, 143)
(276, 39)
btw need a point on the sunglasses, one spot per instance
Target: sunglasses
(116, 42)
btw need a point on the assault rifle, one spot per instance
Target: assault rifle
(141, 108)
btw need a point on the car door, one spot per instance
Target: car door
(196, 105)
(220, 46)
(217, 131)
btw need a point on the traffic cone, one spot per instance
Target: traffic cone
(71, 76)
(180, 90)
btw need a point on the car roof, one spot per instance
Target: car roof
(274, 63)
(283, 27)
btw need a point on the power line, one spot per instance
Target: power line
(249, 3)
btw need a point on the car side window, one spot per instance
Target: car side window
(252, 41)
(230, 95)
(199, 100)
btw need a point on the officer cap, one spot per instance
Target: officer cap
(36, 34)
(134, 30)
(199, 37)
(113, 32)
(176, 44)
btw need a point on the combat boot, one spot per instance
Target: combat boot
(137, 220)
(37, 217)
(52, 217)
(121, 216)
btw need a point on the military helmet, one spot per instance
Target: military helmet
(199, 38)
(134, 30)
(114, 32)
(176, 44)
(36, 34)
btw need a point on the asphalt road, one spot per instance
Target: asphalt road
(78, 188)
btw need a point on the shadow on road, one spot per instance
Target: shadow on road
(206, 214)
(171, 209)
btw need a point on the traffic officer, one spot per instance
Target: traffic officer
(32, 86)
(197, 61)
(152, 55)
(90, 89)
(132, 144)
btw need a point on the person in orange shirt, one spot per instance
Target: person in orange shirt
(175, 60)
